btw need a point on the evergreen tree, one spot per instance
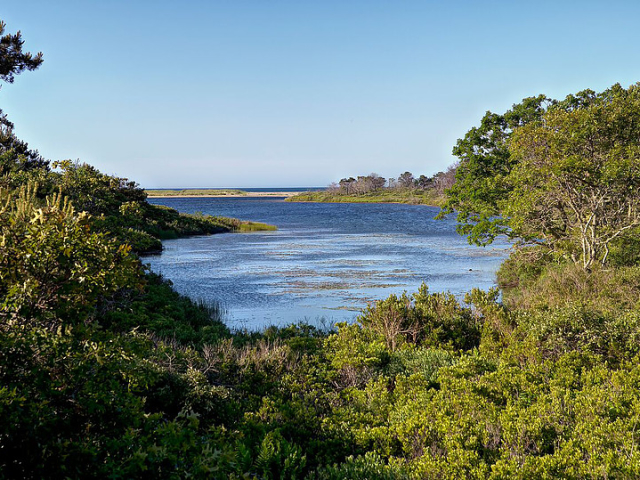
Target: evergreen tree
(13, 61)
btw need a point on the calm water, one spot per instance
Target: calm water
(326, 261)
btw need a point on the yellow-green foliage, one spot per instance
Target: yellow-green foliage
(424, 319)
(52, 266)
(243, 225)
(108, 372)
(246, 226)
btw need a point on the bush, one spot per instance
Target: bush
(435, 320)
(55, 271)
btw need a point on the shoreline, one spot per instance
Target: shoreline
(373, 199)
(231, 195)
(380, 202)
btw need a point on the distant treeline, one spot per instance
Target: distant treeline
(406, 181)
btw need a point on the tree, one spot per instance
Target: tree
(444, 180)
(346, 184)
(377, 182)
(13, 61)
(576, 183)
(53, 269)
(560, 174)
(405, 180)
(484, 163)
(14, 153)
(423, 182)
(94, 192)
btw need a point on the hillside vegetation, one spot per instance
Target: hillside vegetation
(106, 372)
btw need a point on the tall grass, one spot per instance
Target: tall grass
(415, 197)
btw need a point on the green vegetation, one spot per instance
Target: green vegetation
(106, 372)
(119, 207)
(563, 175)
(415, 197)
(194, 192)
(376, 189)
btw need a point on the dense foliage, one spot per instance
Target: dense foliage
(106, 372)
(576, 185)
(560, 174)
(484, 163)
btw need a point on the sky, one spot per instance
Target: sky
(271, 93)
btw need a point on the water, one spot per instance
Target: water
(262, 189)
(324, 264)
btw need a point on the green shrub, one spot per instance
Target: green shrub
(370, 466)
(428, 319)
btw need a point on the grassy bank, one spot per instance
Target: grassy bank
(414, 197)
(162, 223)
(143, 225)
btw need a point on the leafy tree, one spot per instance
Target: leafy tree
(485, 161)
(95, 192)
(423, 182)
(562, 174)
(347, 184)
(377, 182)
(576, 186)
(15, 154)
(405, 180)
(442, 181)
(53, 269)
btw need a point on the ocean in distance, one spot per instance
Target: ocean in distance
(325, 263)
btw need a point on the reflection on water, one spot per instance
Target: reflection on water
(326, 261)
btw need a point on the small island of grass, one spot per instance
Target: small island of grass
(376, 189)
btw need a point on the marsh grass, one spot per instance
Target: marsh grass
(235, 225)
(246, 226)
(415, 197)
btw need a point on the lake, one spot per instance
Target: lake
(325, 263)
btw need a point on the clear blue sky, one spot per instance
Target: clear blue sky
(296, 93)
